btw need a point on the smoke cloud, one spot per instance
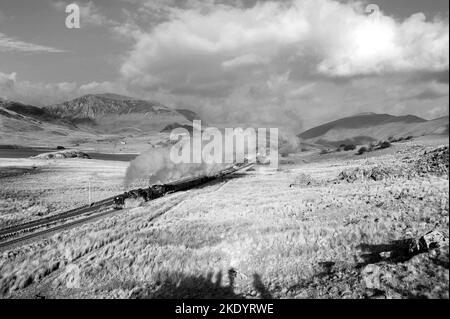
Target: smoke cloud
(157, 166)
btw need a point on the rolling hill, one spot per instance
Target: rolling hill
(89, 121)
(27, 125)
(113, 119)
(116, 114)
(368, 127)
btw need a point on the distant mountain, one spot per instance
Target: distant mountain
(90, 120)
(367, 127)
(31, 111)
(114, 96)
(22, 124)
(190, 115)
(110, 118)
(112, 113)
(95, 106)
(169, 128)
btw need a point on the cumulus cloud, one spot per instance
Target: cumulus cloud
(9, 44)
(335, 39)
(259, 62)
(12, 44)
(288, 63)
(381, 45)
(429, 91)
(15, 89)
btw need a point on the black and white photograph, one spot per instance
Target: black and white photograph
(224, 154)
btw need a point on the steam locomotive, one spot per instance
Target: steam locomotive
(157, 191)
(146, 194)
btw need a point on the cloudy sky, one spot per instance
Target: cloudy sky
(288, 63)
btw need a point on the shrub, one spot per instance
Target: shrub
(362, 150)
(400, 139)
(349, 147)
(385, 144)
(372, 146)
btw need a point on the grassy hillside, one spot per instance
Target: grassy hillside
(27, 125)
(369, 127)
(105, 122)
(115, 114)
(303, 231)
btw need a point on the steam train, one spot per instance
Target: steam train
(157, 191)
(146, 194)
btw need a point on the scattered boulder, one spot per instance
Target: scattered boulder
(362, 150)
(349, 147)
(371, 276)
(424, 275)
(431, 240)
(305, 180)
(325, 151)
(374, 173)
(384, 144)
(62, 155)
(435, 162)
(410, 268)
(404, 249)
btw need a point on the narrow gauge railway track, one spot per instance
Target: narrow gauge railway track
(23, 239)
(102, 208)
(34, 224)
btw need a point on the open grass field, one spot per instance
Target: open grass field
(33, 188)
(326, 226)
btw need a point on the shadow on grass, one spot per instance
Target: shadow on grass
(181, 286)
(396, 251)
(260, 288)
